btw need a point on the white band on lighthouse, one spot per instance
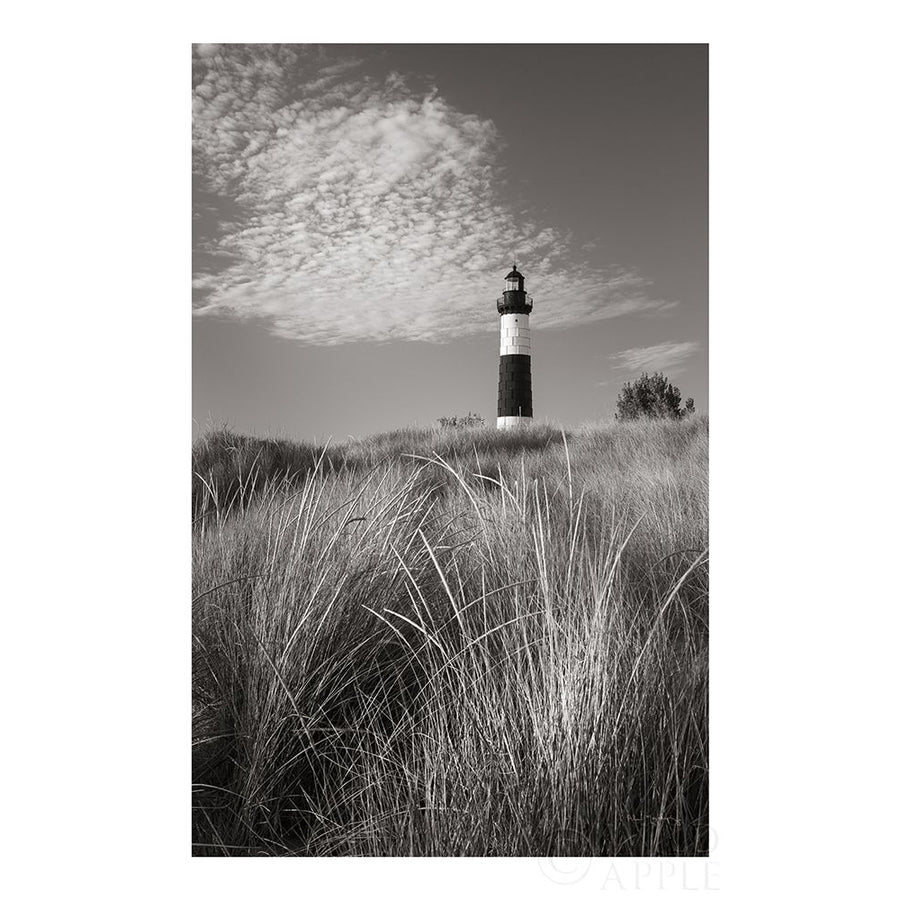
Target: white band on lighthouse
(505, 422)
(515, 335)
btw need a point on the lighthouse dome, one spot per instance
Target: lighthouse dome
(514, 299)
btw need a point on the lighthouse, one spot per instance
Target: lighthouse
(514, 397)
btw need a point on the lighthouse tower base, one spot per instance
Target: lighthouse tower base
(509, 422)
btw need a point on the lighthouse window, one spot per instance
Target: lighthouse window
(512, 284)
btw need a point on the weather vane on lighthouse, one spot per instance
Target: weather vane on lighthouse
(514, 397)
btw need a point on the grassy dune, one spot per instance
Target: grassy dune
(436, 642)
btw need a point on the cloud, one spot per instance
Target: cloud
(667, 357)
(363, 210)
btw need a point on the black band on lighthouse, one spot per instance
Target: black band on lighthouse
(514, 398)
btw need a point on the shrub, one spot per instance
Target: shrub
(469, 420)
(652, 396)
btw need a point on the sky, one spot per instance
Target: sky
(356, 208)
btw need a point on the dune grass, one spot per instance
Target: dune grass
(452, 642)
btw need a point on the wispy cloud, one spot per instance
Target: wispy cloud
(668, 357)
(364, 210)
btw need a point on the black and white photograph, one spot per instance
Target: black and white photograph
(449, 450)
(450, 591)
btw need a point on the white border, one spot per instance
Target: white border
(804, 498)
